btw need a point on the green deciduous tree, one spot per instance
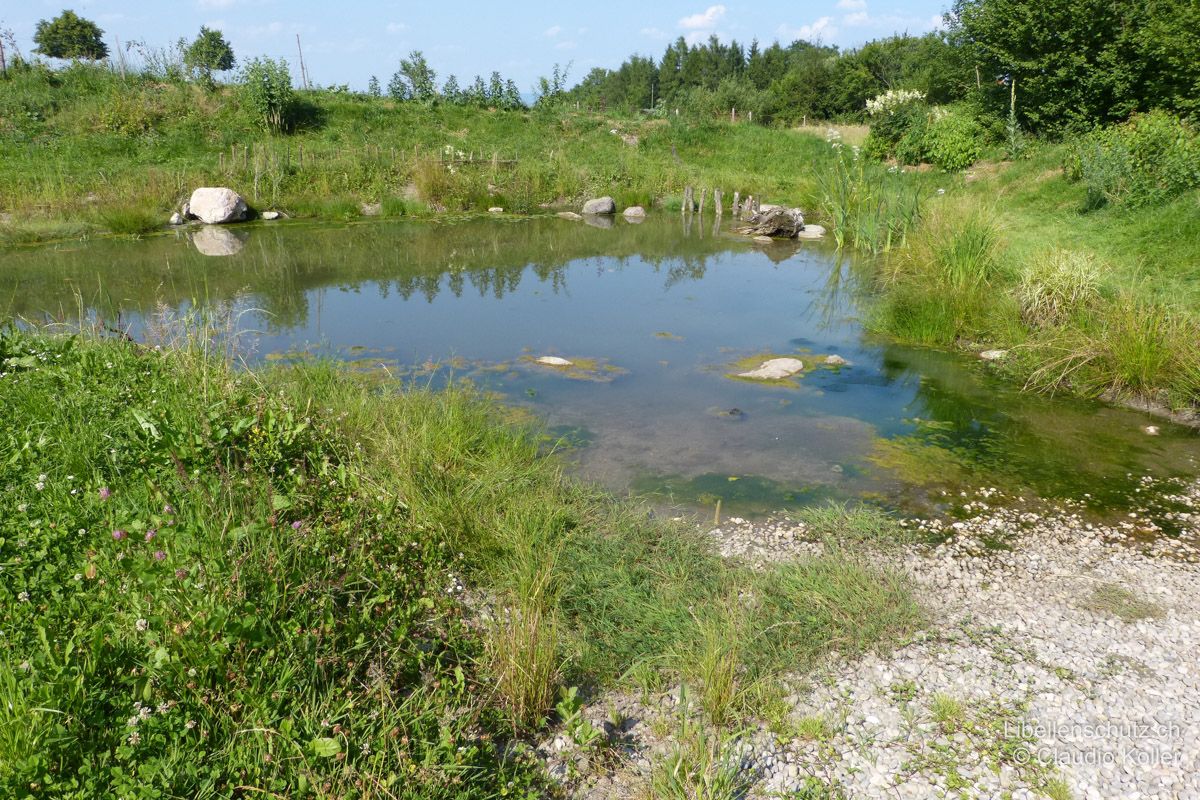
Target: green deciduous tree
(1078, 63)
(415, 80)
(209, 53)
(70, 36)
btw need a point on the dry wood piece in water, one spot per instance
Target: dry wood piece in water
(777, 222)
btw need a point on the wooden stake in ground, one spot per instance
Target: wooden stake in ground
(702, 193)
(737, 206)
(3, 63)
(687, 200)
(717, 202)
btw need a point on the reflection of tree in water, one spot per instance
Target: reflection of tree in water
(281, 264)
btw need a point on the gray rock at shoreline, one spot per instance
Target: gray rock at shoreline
(634, 212)
(216, 205)
(176, 219)
(777, 222)
(569, 215)
(601, 205)
(271, 215)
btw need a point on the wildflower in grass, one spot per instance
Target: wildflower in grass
(105, 493)
(22, 507)
(134, 738)
(142, 625)
(159, 555)
(181, 573)
(191, 723)
(23, 597)
(119, 534)
(150, 534)
(296, 525)
(168, 509)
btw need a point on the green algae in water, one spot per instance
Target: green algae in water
(739, 494)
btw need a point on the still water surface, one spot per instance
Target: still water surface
(658, 316)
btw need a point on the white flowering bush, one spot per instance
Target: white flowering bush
(893, 100)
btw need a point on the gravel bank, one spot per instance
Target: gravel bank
(1063, 660)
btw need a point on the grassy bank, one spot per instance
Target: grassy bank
(229, 583)
(83, 150)
(1086, 301)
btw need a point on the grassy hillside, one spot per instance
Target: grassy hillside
(84, 151)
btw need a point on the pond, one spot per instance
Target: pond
(658, 320)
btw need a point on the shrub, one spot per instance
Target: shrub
(1146, 161)
(952, 140)
(267, 88)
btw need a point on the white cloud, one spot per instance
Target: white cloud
(553, 30)
(857, 20)
(396, 27)
(565, 46)
(215, 3)
(816, 30)
(653, 33)
(705, 20)
(852, 5)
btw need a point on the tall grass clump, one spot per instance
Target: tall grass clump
(1130, 346)
(1058, 285)
(949, 281)
(872, 208)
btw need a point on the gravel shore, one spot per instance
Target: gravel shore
(1062, 660)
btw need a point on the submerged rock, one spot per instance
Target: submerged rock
(727, 413)
(763, 239)
(495, 210)
(217, 205)
(554, 361)
(600, 205)
(810, 232)
(993, 355)
(569, 215)
(775, 369)
(835, 361)
(270, 215)
(634, 212)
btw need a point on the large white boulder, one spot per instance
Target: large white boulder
(215, 205)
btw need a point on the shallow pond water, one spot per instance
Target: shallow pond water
(658, 320)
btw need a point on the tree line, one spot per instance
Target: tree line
(1075, 63)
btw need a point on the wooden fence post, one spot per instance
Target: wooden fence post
(702, 194)
(737, 206)
(717, 202)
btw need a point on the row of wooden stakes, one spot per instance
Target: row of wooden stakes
(745, 210)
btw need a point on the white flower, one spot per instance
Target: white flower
(23, 597)
(191, 723)
(142, 625)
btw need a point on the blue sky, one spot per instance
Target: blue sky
(347, 42)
